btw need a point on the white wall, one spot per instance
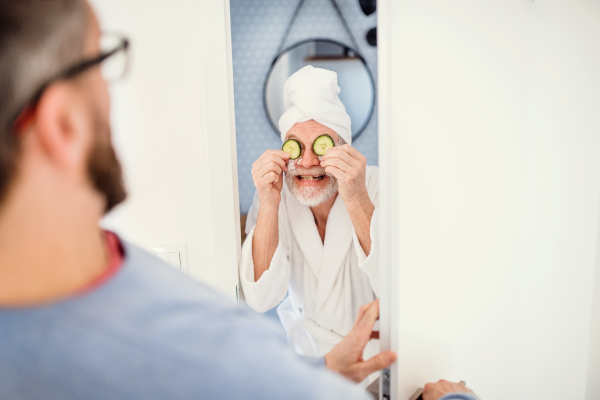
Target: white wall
(173, 127)
(490, 158)
(562, 196)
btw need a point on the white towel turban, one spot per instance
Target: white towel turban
(312, 93)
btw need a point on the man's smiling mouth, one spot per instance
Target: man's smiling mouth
(310, 177)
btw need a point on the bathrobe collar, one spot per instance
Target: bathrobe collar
(326, 260)
(302, 222)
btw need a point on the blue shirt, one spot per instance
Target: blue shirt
(152, 333)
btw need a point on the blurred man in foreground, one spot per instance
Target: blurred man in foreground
(83, 314)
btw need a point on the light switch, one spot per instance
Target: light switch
(174, 255)
(174, 260)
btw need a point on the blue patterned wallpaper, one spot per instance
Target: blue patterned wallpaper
(257, 27)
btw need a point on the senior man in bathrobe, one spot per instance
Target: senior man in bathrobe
(313, 225)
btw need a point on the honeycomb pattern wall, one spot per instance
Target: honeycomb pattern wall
(257, 27)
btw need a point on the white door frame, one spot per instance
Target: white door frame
(218, 116)
(223, 176)
(222, 170)
(389, 198)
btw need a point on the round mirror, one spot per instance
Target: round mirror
(357, 87)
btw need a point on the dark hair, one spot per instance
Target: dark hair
(38, 39)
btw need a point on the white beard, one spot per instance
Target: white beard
(310, 196)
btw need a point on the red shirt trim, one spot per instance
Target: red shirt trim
(116, 257)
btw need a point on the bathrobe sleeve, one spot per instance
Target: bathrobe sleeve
(370, 264)
(272, 287)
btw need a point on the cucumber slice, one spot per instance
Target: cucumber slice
(322, 144)
(292, 147)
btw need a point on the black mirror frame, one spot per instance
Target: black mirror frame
(358, 55)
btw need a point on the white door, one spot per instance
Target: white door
(490, 184)
(173, 123)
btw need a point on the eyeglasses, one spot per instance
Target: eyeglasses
(114, 63)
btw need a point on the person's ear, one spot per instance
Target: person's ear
(61, 126)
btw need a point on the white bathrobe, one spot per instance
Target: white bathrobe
(327, 282)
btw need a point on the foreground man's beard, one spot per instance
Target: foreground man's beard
(310, 196)
(104, 168)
